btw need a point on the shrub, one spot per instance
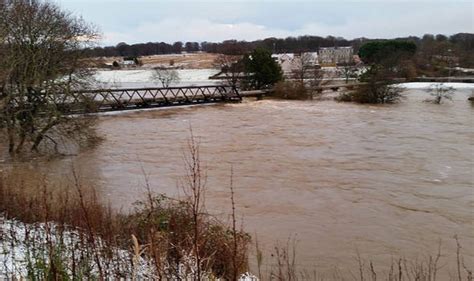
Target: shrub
(440, 92)
(344, 97)
(376, 88)
(376, 93)
(471, 97)
(292, 90)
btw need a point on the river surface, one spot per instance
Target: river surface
(338, 177)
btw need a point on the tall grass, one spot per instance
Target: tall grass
(67, 232)
(283, 265)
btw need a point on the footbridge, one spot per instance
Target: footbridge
(103, 100)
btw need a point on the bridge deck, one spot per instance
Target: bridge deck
(122, 99)
(101, 100)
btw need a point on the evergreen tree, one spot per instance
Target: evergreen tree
(261, 69)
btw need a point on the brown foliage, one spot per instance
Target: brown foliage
(176, 237)
(292, 90)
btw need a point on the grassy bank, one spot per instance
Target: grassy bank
(67, 232)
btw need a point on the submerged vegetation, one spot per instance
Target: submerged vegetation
(440, 92)
(291, 90)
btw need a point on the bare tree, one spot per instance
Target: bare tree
(440, 92)
(165, 76)
(307, 77)
(304, 63)
(231, 67)
(347, 71)
(194, 187)
(41, 63)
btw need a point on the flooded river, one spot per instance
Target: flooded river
(339, 177)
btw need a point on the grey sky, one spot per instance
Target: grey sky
(135, 21)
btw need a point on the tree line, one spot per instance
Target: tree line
(460, 44)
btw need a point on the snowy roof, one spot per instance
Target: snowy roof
(332, 48)
(284, 56)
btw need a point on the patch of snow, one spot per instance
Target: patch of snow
(143, 77)
(426, 85)
(25, 248)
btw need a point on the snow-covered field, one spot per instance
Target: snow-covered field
(426, 85)
(143, 78)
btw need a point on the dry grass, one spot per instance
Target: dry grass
(291, 90)
(187, 61)
(283, 265)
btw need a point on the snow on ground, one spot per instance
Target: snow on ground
(426, 85)
(143, 77)
(24, 247)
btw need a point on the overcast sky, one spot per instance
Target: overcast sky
(139, 21)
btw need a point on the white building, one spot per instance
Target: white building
(291, 62)
(286, 61)
(334, 55)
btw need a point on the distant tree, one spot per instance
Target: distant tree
(439, 92)
(41, 64)
(381, 52)
(261, 69)
(137, 61)
(232, 67)
(165, 76)
(377, 88)
(304, 64)
(123, 49)
(177, 47)
(347, 70)
(307, 79)
(387, 61)
(191, 47)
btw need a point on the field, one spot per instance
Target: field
(186, 61)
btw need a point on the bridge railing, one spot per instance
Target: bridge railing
(97, 100)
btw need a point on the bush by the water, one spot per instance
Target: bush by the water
(375, 94)
(377, 87)
(440, 92)
(292, 90)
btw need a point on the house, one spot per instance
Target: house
(285, 61)
(290, 62)
(335, 55)
(127, 62)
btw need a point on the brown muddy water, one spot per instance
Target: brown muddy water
(338, 177)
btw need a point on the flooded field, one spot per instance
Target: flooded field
(383, 180)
